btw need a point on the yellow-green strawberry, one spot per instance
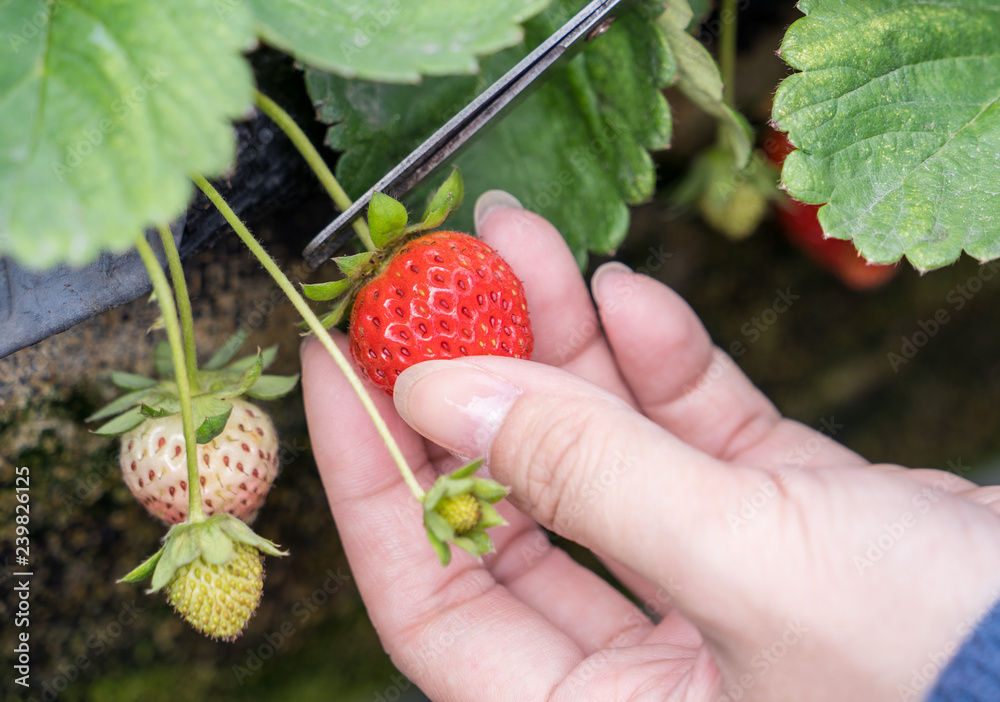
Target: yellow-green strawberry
(219, 599)
(462, 512)
(212, 571)
(458, 510)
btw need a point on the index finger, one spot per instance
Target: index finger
(452, 629)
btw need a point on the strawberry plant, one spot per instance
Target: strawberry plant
(118, 110)
(800, 224)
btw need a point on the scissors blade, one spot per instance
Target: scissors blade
(589, 23)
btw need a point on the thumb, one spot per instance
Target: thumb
(578, 460)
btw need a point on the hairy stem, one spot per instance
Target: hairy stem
(165, 297)
(183, 304)
(727, 51)
(315, 161)
(317, 328)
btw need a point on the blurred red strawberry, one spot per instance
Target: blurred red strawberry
(801, 226)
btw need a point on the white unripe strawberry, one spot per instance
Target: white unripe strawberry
(236, 468)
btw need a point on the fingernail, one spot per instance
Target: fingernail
(458, 407)
(491, 201)
(607, 278)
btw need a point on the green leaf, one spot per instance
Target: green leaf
(154, 412)
(446, 200)
(144, 570)
(490, 518)
(575, 151)
(163, 360)
(122, 423)
(440, 548)
(386, 219)
(348, 265)
(250, 376)
(216, 413)
(228, 350)
(240, 532)
(271, 387)
(131, 381)
(333, 317)
(699, 79)
(321, 292)
(467, 470)
(896, 113)
(108, 106)
(393, 40)
(120, 404)
(267, 357)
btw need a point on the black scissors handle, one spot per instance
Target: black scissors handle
(589, 23)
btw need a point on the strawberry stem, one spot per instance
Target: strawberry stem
(165, 297)
(317, 328)
(183, 305)
(727, 51)
(315, 161)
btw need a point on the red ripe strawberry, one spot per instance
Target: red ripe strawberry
(800, 224)
(442, 295)
(236, 468)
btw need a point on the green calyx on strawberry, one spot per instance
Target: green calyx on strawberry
(732, 199)
(459, 509)
(425, 296)
(213, 573)
(237, 443)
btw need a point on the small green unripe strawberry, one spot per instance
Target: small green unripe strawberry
(212, 571)
(218, 600)
(458, 509)
(462, 512)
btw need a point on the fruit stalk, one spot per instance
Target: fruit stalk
(317, 328)
(183, 305)
(315, 161)
(727, 51)
(165, 298)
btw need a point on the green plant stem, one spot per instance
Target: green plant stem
(317, 328)
(727, 51)
(183, 305)
(165, 297)
(315, 161)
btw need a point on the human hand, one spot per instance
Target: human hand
(776, 563)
